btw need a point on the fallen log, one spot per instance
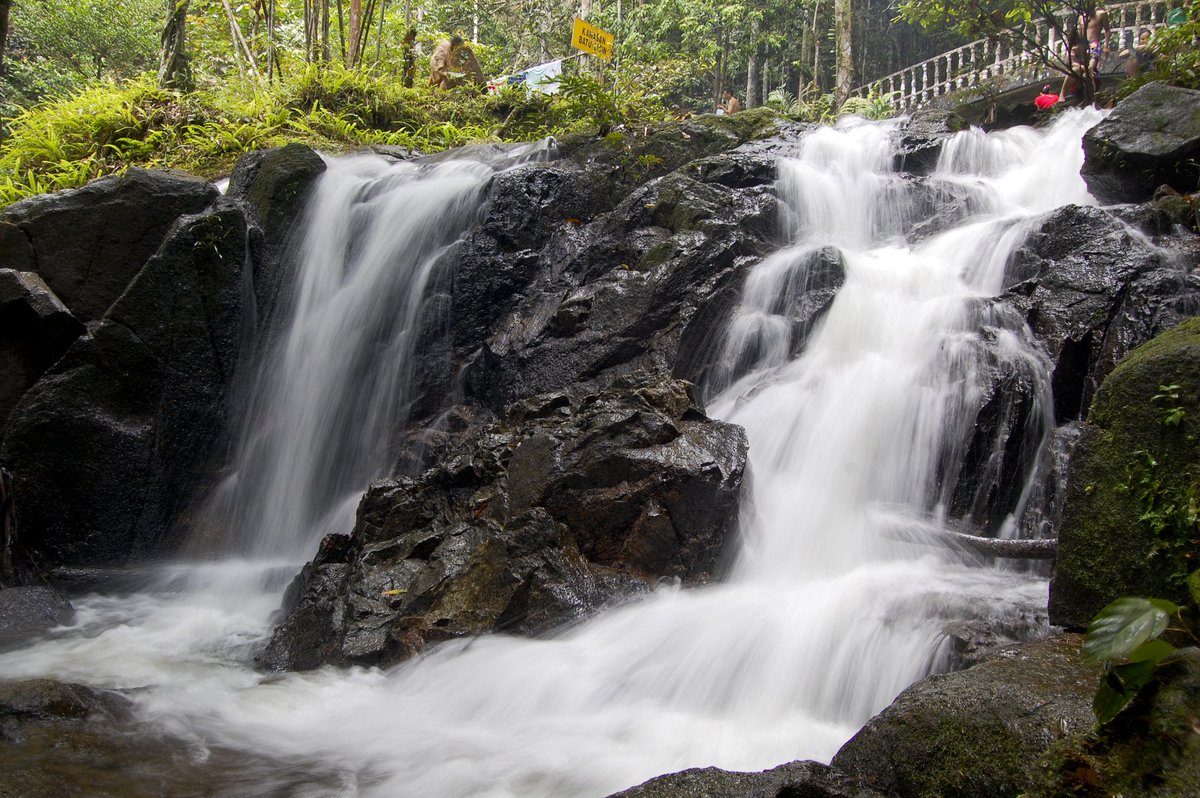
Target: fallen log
(1044, 549)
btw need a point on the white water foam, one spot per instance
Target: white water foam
(825, 618)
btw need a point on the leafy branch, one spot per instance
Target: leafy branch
(1124, 637)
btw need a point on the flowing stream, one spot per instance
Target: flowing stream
(826, 615)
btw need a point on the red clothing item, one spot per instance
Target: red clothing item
(1044, 101)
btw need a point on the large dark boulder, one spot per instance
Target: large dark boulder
(643, 287)
(1092, 290)
(976, 733)
(109, 447)
(88, 243)
(570, 504)
(35, 330)
(549, 228)
(793, 780)
(1150, 139)
(1128, 526)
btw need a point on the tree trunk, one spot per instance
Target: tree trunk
(816, 76)
(355, 33)
(325, 50)
(844, 49)
(271, 41)
(751, 82)
(310, 30)
(752, 71)
(379, 38)
(5, 7)
(174, 72)
(806, 39)
(342, 30)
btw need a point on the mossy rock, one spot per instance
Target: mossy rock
(642, 154)
(1130, 524)
(1152, 749)
(978, 732)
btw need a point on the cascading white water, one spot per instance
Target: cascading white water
(320, 410)
(826, 616)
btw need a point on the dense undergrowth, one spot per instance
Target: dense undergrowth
(106, 128)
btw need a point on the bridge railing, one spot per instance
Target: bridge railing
(985, 60)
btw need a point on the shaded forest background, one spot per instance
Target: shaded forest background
(684, 50)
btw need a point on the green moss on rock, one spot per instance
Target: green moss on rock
(1152, 749)
(1130, 518)
(978, 732)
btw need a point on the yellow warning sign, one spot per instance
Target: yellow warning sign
(592, 40)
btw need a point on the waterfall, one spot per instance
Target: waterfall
(325, 399)
(857, 416)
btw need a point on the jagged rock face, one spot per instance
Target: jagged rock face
(977, 732)
(1126, 529)
(88, 243)
(1150, 139)
(922, 136)
(1092, 290)
(113, 446)
(35, 330)
(105, 447)
(570, 504)
(629, 289)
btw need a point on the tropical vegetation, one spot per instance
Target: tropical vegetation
(91, 87)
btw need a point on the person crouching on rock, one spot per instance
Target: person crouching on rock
(1046, 100)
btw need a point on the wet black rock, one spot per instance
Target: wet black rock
(643, 287)
(1150, 139)
(110, 445)
(1092, 289)
(573, 503)
(88, 243)
(922, 137)
(272, 187)
(35, 330)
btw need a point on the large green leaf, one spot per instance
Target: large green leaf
(1154, 651)
(1121, 683)
(1124, 625)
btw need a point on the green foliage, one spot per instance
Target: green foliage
(1168, 398)
(105, 128)
(822, 109)
(98, 39)
(972, 19)
(1124, 637)
(1176, 57)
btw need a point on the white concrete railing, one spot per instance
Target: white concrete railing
(983, 60)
